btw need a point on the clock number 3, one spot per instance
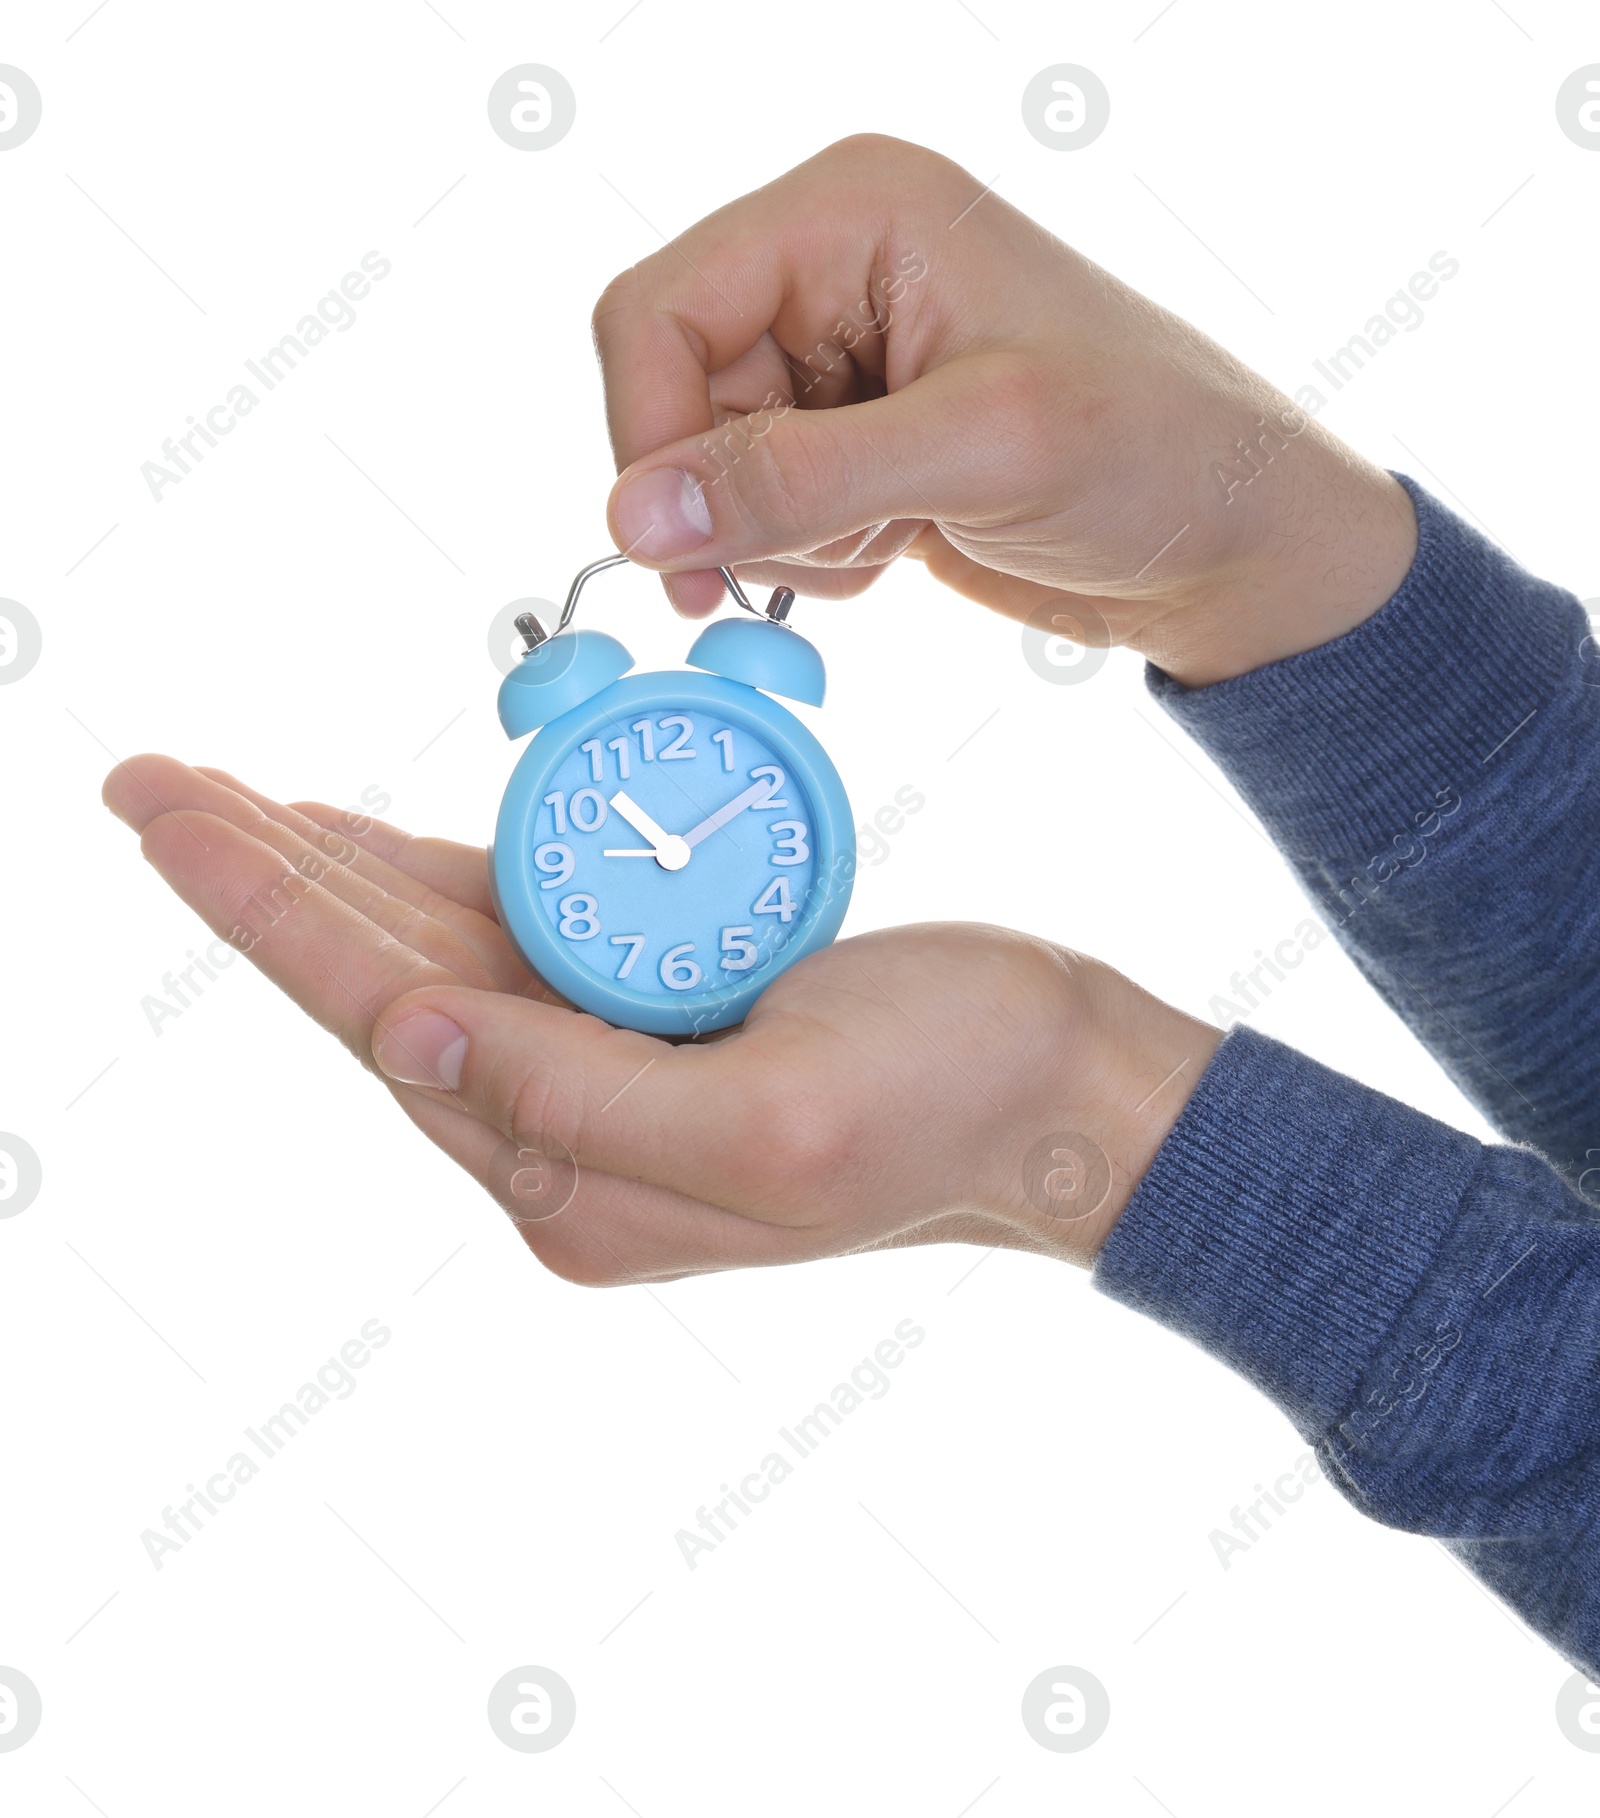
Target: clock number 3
(792, 847)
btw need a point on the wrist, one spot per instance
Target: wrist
(1155, 1056)
(1121, 1067)
(1326, 543)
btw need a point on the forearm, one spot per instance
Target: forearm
(1432, 778)
(1424, 1308)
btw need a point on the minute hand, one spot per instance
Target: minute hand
(714, 823)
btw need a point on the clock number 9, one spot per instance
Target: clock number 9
(678, 971)
(555, 859)
(580, 918)
(792, 847)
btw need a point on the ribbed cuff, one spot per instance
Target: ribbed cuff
(1287, 1221)
(1344, 747)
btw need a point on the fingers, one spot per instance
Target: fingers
(1076, 616)
(783, 262)
(335, 963)
(803, 292)
(784, 482)
(697, 593)
(814, 583)
(323, 856)
(723, 1123)
(447, 881)
(460, 873)
(599, 1230)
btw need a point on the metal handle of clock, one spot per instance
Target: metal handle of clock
(534, 634)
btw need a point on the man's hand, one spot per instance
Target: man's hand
(872, 357)
(937, 1083)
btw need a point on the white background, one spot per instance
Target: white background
(522, 1452)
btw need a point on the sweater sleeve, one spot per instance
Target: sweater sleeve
(1434, 778)
(1425, 1309)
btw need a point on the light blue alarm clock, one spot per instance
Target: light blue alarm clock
(669, 842)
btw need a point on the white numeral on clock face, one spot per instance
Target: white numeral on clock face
(742, 951)
(556, 861)
(588, 810)
(792, 847)
(776, 900)
(679, 748)
(774, 781)
(596, 754)
(635, 943)
(678, 971)
(560, 861)
(580, 918)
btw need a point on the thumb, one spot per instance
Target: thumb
(604, 1098)
(784, 481)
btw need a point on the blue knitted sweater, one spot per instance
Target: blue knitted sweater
(1425, 1308)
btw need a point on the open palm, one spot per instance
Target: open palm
(886, 1090)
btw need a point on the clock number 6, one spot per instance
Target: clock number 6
(678, 971)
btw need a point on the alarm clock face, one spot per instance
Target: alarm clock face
(669, 847)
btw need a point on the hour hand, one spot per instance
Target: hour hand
(669, 851)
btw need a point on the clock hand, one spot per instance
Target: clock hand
(628, 852)
(670, 852)
(714, 823)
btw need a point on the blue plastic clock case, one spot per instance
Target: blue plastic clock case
(575, 689)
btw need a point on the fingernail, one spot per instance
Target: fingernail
(662, 514)
(423, 1050)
